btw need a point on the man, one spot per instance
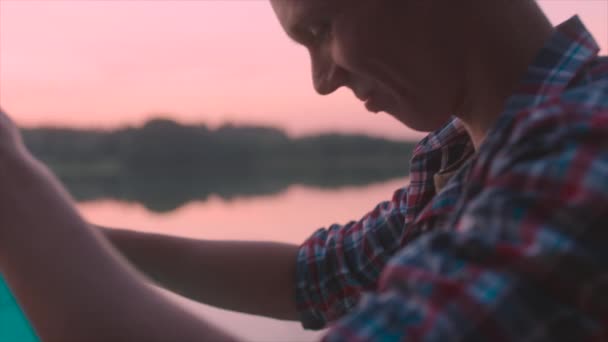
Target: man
(499, 236)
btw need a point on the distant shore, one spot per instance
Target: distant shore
(179, 162)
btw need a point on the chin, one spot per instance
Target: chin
(421, 122)
(415, 116)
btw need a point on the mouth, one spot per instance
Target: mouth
(370, 101)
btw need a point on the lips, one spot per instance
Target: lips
(363, 96)
(370, 99)
(372, 105)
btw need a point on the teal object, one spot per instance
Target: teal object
(14, 326)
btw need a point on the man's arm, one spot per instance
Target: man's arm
(70, 283)
(542, 278)
(251, 277)
(337, 264)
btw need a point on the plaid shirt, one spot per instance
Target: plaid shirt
(513, 247)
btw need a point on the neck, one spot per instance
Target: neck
(503, 40)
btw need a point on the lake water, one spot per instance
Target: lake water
(289, 216)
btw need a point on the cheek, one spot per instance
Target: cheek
(374, 51)
(360, 36)
(350, 49)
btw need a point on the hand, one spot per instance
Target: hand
(10, 137)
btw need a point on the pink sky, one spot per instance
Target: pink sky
(112, 63)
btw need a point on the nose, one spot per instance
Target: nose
(327, 76)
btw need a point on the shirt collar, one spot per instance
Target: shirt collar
(565, 53)
(563, 57)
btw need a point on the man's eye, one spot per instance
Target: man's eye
(319, 32)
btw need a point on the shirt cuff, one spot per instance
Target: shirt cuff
(310, 317)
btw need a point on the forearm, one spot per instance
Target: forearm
(70, 283)
(251, 277)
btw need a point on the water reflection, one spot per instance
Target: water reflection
(165, 191)
(290, 215)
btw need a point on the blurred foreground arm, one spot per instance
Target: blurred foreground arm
(70, 283)
(251, 277)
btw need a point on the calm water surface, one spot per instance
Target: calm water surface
(290, 216)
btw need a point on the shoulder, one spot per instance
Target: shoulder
(552, 155)
(577, 104)
(575, 120)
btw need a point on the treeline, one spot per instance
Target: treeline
(231, 160)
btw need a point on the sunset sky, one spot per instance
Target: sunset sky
(113, 63)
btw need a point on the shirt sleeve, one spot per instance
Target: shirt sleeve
(527, 262)
(337, 263)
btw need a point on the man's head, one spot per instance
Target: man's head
(403, 57)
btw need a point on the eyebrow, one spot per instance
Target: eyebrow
(305, 17)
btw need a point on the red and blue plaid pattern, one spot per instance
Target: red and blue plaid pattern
(514, 247)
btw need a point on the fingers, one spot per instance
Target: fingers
(4, 115)
(10, 136)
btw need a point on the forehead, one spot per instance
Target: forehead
(292, 13)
